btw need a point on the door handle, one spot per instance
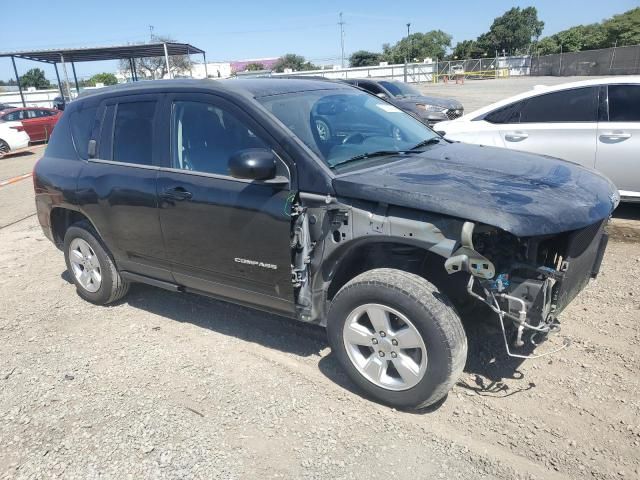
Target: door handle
(615, 136)
(515, 136)
(176, 193)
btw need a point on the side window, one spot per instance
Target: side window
(31, 114)
(370, 87)
(13, 116)
(575, 105)
(204, 137)
(624, 103)
(81, 122)
(133, 133)
(506, 114)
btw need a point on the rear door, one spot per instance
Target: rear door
(34, 124)
(224, 236)
(561, 124)
(117, 188)
(618, 154)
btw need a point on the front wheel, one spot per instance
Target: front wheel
(398, 337)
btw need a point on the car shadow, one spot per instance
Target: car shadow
(627, 211)
(487, 363)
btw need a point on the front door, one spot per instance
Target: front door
(224, 236)
(618, 155)
(560, 124)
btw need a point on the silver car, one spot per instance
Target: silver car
(594, 122)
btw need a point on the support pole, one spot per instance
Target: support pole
(66, 76)
(135, 71)
(166, 59)
(133, 77)
(15, 71)
(75, 78)
(204, 59)
(64, 102)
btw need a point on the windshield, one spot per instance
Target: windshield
(339, 125)
(399, 89)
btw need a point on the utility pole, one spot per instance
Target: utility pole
(151, 32)
(409, 42)
(341, 23)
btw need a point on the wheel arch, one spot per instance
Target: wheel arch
(61, 218)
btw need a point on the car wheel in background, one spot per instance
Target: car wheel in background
(4, 148)
(324, 132)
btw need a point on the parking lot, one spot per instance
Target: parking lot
(169, 385)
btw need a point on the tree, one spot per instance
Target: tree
(363, 58)
(254, 66)
(418, 46)
(467, 49)
(105, 78)
(295, 62)
(513, 31)
(156, 67)
(623, 29)
(34, 78)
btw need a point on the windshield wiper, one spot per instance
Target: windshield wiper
(362, 156)
(424, 143)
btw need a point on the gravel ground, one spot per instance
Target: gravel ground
(474, 94)
(169, 385)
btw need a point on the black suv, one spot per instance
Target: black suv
(225, 188)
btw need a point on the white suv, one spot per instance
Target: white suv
(594, 122)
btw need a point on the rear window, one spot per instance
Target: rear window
(575, 105)
(624, 103)
(82, 121)
(133, 133)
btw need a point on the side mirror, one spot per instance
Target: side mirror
(253, 164)
(382, 95)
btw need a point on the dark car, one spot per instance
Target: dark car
(429, 110)
(59, 103)
(224, 188)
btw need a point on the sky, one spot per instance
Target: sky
(234, 30)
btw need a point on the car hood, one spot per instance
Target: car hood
(440, 102)
(521, 193)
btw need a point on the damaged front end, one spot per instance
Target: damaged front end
(528, 281)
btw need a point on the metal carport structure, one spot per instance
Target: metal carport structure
(95, 54)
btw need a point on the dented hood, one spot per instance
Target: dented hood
(521, 193)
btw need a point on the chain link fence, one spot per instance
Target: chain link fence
(608, 61)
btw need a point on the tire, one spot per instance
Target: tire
(4, 148)
(323, 129)
(412, 305)
(81, 240)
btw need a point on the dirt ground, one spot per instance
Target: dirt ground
(165, 385)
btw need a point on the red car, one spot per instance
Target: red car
(38, 122)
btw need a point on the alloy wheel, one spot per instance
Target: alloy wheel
(385, 347)
(85, 265)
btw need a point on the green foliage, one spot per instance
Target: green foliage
(254, 66)
(34, 78)
(364, 58)
(623, 29)
(295, 62)
(513, 31)
(104, 77)
(467, 49)
(418, 46)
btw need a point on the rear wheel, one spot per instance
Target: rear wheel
(4, 148)
(91, 267)
(397, 337)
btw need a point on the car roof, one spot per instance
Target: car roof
(540, 89)
(251, 87)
